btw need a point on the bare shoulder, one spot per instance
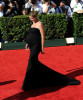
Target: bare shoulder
(40, 24)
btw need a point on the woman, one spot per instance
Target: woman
(38, 75)
(49, 7)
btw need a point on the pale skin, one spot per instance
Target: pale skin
(38, 24)
(48, 4)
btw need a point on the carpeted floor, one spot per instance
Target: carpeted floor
(65, 59)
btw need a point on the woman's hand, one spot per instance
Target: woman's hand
(26, 47)
(42, 51)
(11, 5)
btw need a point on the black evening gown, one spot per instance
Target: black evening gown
(39, 75)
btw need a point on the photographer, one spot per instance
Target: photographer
(36, 6)
(11, 11)
(28, 4)
(2, 5)
(64, 9)
(48, 7)
(17, 6)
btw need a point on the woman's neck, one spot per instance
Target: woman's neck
(35, 21)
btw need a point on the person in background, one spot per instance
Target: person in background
(28, 4)
(81, 1)
(2, 5)
(24, 11)
(48, 7)
(57, 2)
(67, 2)
(17, 6)
(40, 2)
(11, 11)
(52, 3)
(78, 7)
(0, 36)
(36, 6)
(64, 9)
(21, 4)
(73, 3)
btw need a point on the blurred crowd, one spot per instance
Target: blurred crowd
(9, 8)
(54, 6)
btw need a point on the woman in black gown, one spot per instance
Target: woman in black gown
(39, 75)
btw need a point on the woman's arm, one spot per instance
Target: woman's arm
(53, 4)
(28, 4)
(45, 8)
(41, 28)
(26, 47)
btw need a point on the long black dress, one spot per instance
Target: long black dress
(39, 75)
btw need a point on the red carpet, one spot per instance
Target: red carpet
(66, 59)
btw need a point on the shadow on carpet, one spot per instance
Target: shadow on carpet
(7, 82)
(26, 94)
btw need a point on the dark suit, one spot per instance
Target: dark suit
(66, 1)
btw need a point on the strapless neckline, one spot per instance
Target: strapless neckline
(34, 28)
